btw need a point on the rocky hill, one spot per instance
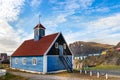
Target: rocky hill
(112, 56)
(117, 46)
(85, 48)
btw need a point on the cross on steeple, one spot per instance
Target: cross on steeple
(39, 18)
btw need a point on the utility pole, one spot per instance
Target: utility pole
(82, 56)
(39, 19)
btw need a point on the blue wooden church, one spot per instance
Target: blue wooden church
(43, 54)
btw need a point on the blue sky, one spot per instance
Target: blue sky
(78, 20)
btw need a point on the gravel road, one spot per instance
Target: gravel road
(44, 77)
(55, 77)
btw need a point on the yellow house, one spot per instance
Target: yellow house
(104, 53)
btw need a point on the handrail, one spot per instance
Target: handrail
(66, 62)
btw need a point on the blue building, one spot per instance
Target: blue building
(43, 54)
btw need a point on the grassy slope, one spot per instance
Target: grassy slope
(106, 67)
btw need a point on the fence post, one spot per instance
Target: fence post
(80, 71)
(85, 72)
(90, 73)
(106, 76)
(98, 74)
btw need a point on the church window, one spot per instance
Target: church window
(16, 60)
(24, 61)
(64, 46)
(56, 45)
(34, 61)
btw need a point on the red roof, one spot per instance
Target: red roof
(39, 26)
(118, 49)
(35, 48)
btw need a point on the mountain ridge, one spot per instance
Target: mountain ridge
(82, 47)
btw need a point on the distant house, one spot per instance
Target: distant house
(3, 57)
(43, 54)
(104, 53)
(118, 49)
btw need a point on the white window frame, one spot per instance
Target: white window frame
(64, 46)
(33, 62)
(16, 60)
(36, 32)
(56, 45)
(24, 61)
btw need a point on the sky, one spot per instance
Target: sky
(78, 20)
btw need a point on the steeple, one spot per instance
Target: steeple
(39, 32)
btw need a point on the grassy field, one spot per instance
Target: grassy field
(9, 76)
(105, 67)
(4, 66)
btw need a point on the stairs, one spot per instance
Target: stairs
(66, 62)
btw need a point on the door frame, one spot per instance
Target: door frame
(61, 50)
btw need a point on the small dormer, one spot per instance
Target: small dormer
(39, 32)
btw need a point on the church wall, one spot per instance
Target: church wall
(55, 64)
(29, 65)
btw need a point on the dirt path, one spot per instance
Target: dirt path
(62, 76)
(43, 77)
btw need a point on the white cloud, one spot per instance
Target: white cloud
(105, 9)
(9, 38)
(10, 9)
(106, 29)
(35, 3)
(53, 22)
(68, 8)
(64, 9)
(110, 23)
(102, 30)
(85, 4)
(71, 5)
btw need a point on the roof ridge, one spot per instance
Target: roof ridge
(44, 36)
(51, 34)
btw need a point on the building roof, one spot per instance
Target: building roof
(35, 48)
(118, 49)
(39, 26)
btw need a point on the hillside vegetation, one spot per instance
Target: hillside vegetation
(108, 59)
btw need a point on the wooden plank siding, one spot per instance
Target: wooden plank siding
(54, 63)
(28, 66)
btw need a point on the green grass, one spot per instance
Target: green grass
(106, 67)
(9, 76)
(4, 66)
